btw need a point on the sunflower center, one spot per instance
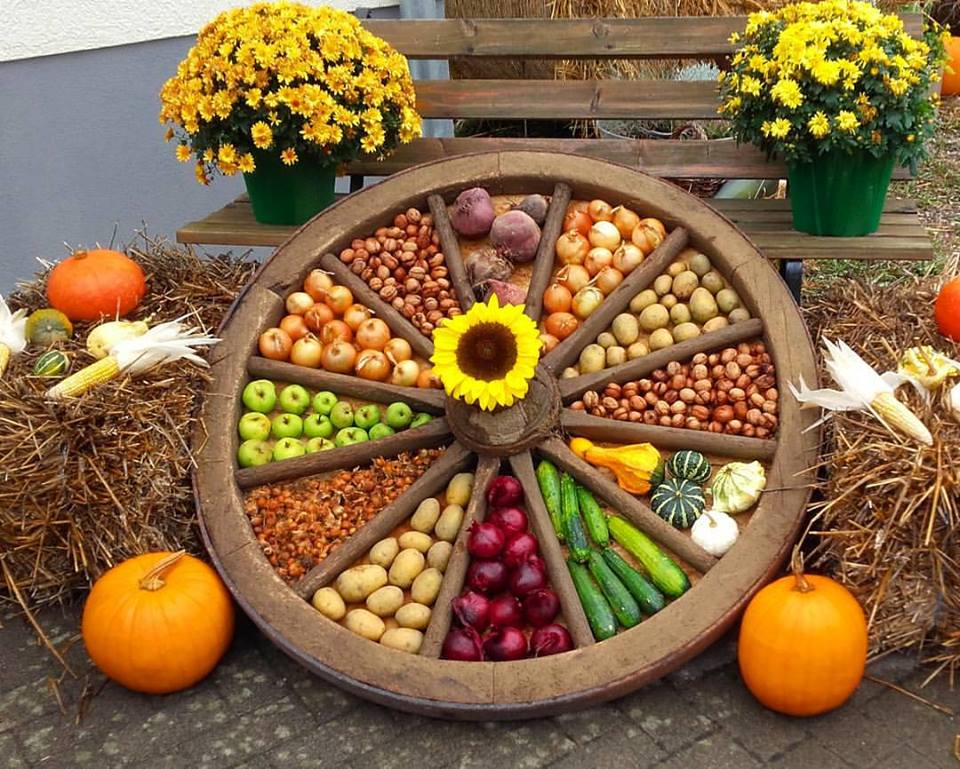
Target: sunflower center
(487, 351)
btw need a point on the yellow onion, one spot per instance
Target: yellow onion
(604, 235)
(586, 301)
(101, 339)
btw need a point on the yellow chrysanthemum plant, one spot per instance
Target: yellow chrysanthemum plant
(298, 82)
(812, 78)
(488, 355)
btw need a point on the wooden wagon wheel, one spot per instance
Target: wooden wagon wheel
(594, 672)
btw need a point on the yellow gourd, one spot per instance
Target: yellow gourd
(632, 464)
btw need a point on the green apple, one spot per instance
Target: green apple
(286, 426)
(254, 426)
(253, 453)
(288, 448)
(317, 426)
(319, 444)
(294, 399)
(399, 415)
(342, 415)
(260, 395)
(350, 435)
(420, 419)
(380, 430)
(367, 416)
(324, 401)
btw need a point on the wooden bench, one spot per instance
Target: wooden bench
(767, 222)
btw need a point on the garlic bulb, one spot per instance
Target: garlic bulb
(102, 338)
(737, 486)
(715, 532)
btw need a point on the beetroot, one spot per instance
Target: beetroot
(529, 575)
(507, 643)
(507, 293)
(519, 547)
(463, 644)
(541, 607)
(550, 639)
(504, 490)
(472, 610)
(484, 265)
(505, 611)
(534, 206)
(472, 213)
(511, 519)
(487, 576)
(515, 236)
(486, 540)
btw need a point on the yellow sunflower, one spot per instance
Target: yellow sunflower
(488, 355)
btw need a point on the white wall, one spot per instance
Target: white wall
(43, 27)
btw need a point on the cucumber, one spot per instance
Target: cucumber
(648, 597)
(624, 606)
(572, 523)
(593, 517)
(599, 614)
(548, 478)
(664, 573)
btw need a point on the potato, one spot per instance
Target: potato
(663, 284)
(642, 300)
(459, 489)
(406, 566)
(570, 372)
(383, 553)
(415, 539)
(356, 583)
(403, 639)
(426, 586)
(684, 284)
(448, 526)
(699, 264)
(385, 601)
(684, 331)
(727, 300)
(438, 555)
(680, 313)
(616, 356)
(638, 350)
(414, 615)
(592, 358)
(626, 330)
(365, 623)
(653, 317)
(712, 281)
(390, 623)
(703, 306)
(738, 315)
(660, 338)
(328, 602)
(676, 268)
(715, 324)
(668, 301)
(424, 518)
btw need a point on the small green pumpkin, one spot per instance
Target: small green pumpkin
(678, 501)
(690, 465)
(51, 363)
(658, 474)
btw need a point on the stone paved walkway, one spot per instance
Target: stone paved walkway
(261, 710)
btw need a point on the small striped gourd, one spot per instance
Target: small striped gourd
(51, 363)
(678, 501)
(690, 465)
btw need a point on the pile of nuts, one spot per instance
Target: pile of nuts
(405, 266)
(732, 391)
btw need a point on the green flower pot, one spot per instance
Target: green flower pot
(839, 194)
(282, 194)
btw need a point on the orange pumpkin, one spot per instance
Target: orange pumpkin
(946, 310)
(158, 622)
(88, 285)
(951, 80)
(803, 644)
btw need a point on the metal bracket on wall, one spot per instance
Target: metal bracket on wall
(791, 270)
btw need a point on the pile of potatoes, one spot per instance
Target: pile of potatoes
(391, 595)
(689, 299)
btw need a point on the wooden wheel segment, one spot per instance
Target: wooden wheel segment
(533, 687)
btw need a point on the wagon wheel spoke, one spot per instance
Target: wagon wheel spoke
(456, 571)
(453, 460)
(567, 351)
(576, 619)
(419, 398)
(543, 262)
(399, 325)
(573, 388)
(671, 438)
(634, 509)
(450, 245)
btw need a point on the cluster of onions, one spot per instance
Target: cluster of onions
(600, 246)
(508, 597)
(324, 328)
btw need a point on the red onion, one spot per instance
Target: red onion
(505, 611)
(529, 575)
(507, 643)
(549, 639)
(540, 607)
(519, 547)
(485, 540)
(487, 576)
(463, 644)
(511, 519)
(504, 490)
(472, 610)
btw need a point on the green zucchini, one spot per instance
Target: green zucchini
(664, 573)
(648, 597)
(600, 616)
(593, 517)
(572, 523)
(548, 479)
(624, 606)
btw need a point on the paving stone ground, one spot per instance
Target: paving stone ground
(260, 710)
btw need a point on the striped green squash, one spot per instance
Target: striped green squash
(52, 363)
(678, 501)
(690, 465)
